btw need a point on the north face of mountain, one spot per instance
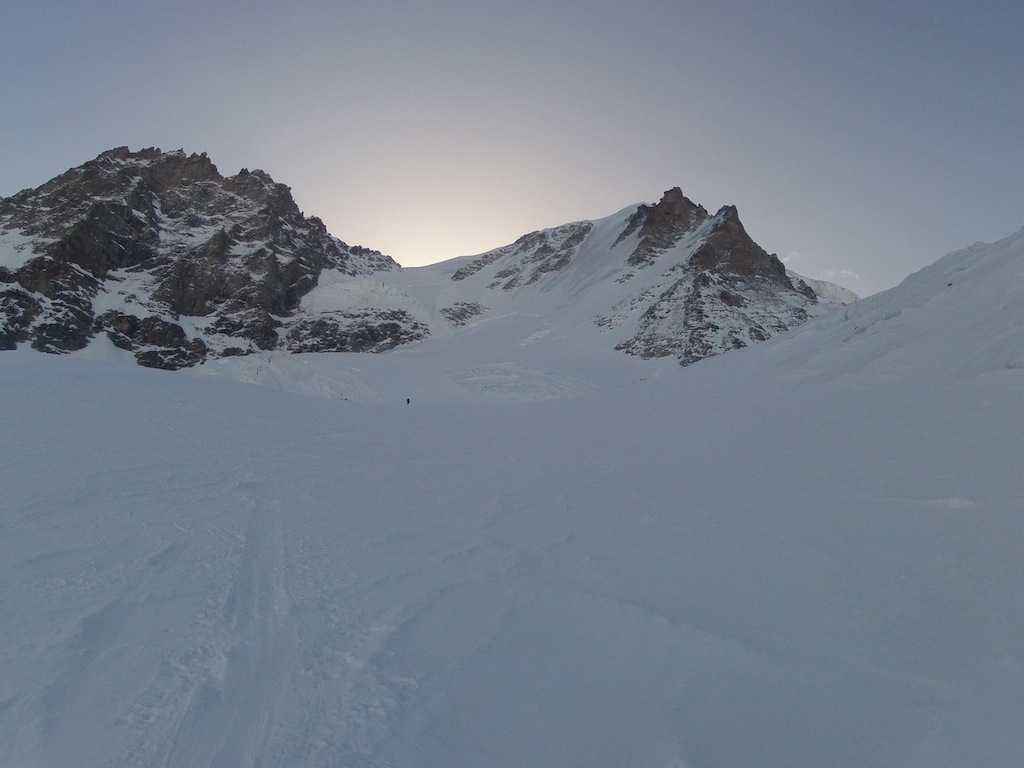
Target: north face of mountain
(172, 261)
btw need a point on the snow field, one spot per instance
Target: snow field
(806, 553)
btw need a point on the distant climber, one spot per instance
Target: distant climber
(407, 401)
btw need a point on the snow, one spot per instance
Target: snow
(827, 292)
(805, 553)
(338, 292)
(15, 250)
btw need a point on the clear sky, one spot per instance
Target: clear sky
(860, 140)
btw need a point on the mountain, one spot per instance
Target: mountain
(173, 262)
(177, 264)
(664, 280)
(806, 553)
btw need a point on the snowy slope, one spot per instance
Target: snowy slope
(827, 292)
(806, 553)
(959, 316)
(653, 281)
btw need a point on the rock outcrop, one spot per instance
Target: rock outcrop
(729, 292)
(170, 260)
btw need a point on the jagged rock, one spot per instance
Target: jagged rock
(18, 309)
(729, 249)
(251, 323)
(57, 279)
(166, 227)
(172, 358)
(63, 328)
(711, 314)
(55, 312)
(354, 332)
(732, 293)
(462, 312)
(661, 226)
(110, 236)
(476, 265)
(532, 255)
(156, 342)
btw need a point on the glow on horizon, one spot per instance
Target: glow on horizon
(868, 142)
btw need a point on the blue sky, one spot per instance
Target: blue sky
(859, 140)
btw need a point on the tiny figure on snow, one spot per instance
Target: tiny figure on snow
(407, 401)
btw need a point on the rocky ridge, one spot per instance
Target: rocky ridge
(170, 260)
(688, 284)
(174, 262)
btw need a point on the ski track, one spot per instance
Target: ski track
(242, 612)
(235, 713)
(287, 628)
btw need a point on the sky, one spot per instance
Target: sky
(860, 141)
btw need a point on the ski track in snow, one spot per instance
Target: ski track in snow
(206, 606)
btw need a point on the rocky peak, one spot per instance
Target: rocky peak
(173, 169)
(729, 249)
(727, 293)
(674, 209)
(235, 251)
(661, 226)
(675, 281)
